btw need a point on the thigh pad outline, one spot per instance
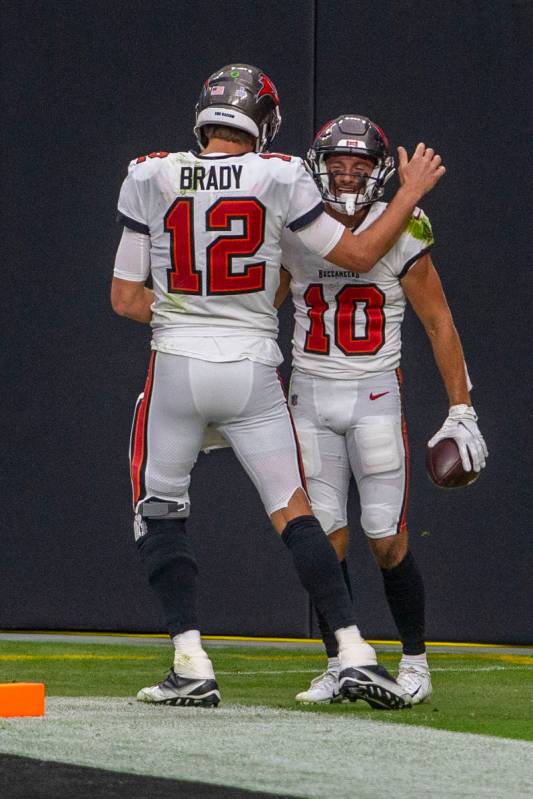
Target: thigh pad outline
(377, 445)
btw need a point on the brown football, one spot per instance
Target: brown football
(444, 467)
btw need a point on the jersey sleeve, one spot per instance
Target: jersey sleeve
(322, 235)
(305, 203)
(132, 261)
(131, 212)
(416, 240)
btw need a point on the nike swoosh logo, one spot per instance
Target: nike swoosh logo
(377, 396)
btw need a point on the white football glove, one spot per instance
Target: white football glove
(461, 425)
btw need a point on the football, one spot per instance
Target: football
(444, 467)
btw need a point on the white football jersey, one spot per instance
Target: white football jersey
(348, 325)
(215, 223)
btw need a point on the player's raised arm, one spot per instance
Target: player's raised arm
(419, 175)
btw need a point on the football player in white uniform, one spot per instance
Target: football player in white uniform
(208, 228)
(345, 391)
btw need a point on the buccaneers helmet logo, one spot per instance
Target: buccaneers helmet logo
(267, 88)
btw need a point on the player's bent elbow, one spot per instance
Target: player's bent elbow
(119, 303)
(440, 326)
(120, 308)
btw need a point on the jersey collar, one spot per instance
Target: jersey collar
(217, 156)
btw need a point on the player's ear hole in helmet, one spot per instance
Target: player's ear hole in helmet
(243, 97)
(351, 135)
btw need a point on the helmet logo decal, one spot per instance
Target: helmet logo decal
(235, 73)
(217, 90)
(267, 88)
(352, 143)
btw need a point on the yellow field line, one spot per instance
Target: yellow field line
(255, 639)
(507, 658)
(77, 657)
(370, 641)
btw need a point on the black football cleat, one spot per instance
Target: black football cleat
(374, 685)
(184, 691)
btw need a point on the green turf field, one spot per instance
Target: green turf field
(485, 693)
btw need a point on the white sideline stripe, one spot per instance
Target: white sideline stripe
(280, 751)
(467, 669)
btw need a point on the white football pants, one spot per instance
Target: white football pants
(354, 427)
(244, 400)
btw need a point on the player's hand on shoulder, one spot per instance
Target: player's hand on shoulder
(461, 425)
(422, 171)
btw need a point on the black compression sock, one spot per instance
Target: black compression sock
(346, 575)
(404, 589)
(319, 571)
(328, 636)
(172, 571)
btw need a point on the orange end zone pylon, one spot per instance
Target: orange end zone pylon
(21, 699)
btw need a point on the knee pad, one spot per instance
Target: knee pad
(377, 445)
(377, 521)
(164, 542)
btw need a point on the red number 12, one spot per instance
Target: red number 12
(183, 278)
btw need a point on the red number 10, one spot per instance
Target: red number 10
(347, 299)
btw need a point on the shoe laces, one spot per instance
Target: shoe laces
(418, 670)
(412, 675)
(329, 678)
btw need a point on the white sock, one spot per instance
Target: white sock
(353, 649)
(190, 659)
(334, 665)
(348, 635)
(188, 643)
(419, 662)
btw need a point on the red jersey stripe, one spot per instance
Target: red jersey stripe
(402, 523)
(139, 437)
